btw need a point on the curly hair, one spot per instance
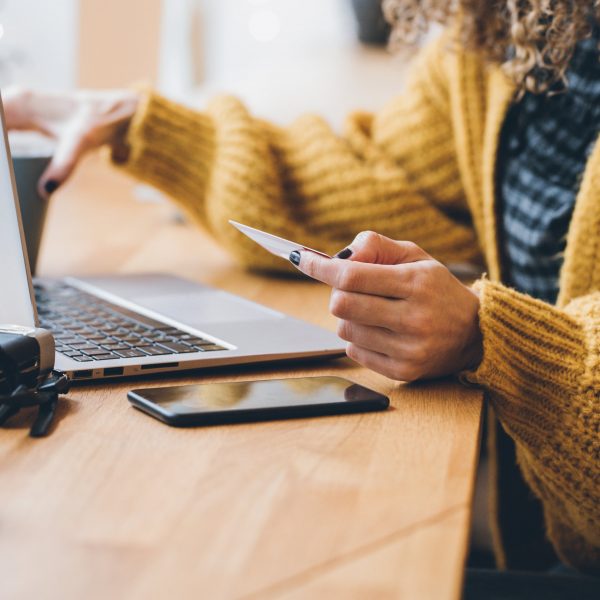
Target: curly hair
(534, 40)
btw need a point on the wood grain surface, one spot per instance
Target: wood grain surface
(117, 505)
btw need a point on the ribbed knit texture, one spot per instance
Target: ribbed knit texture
(424, 170)
(543, 366)
(303, 182)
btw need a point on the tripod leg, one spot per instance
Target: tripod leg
(6, 412)
(44, 418)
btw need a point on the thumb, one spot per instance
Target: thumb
(374, 248)
(69, 150)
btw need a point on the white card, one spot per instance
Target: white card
(274, 244)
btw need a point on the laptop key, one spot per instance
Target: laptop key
(102, 340)
(176, 348)
(97, 337)
(115, 346)
(67, 341)
(167, 330)
(63, 336)
(130, 353)
(154, 335)
(83, 347)
(132, 341)
(108, 332)
(70, 353)
(154, 350)
(119, 332)
(211, 348)
(139, 328)
(199, 342)
(87, 327)
(94, 351)
(80, 331)
(106, 356)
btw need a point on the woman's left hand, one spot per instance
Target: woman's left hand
(79, 121)
(402, 313)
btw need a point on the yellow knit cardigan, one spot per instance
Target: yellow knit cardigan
(423, 170)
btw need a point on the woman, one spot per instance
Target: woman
(488, 156)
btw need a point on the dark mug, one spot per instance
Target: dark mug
(29, 164)
(372, 26)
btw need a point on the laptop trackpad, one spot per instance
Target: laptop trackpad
(206, 307)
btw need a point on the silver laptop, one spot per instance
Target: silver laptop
(116, 326)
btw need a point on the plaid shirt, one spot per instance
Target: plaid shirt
(545, 143)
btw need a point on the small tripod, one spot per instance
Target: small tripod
(27, 375)
(45, 397)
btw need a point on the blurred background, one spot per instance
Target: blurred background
(283, 57)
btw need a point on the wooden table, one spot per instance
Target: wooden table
(117, 505)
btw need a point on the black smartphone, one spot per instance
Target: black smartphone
(263, 400)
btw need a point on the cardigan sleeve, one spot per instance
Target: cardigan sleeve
(394, 172)
(542, 367)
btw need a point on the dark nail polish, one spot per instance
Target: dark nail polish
(51, 185)
(295, 257)
(345, 253)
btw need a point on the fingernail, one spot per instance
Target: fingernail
(295, 257)
(51, 185)
(345, 253)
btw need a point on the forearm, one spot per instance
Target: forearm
(540, 367)
(302, 182)
(172, 148)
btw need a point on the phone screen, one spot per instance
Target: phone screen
(228, 402)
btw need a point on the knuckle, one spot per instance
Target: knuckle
(405, 372)
(435, 267)
(398, 372)
(397, 320)
(419, 322)
(421, 280)
(404, 277)
(351, 352)
(368, 237)
(344, 330)
(90, 134)
(431, 270)
(411, 374)
(419, 355)
(308, 265)
(339, 303)
(349, 277)
(412, 247)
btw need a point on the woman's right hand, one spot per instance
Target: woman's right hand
(79, 121)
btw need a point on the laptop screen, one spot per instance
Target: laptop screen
(16, 304)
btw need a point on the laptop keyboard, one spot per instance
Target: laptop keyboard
(88, 328)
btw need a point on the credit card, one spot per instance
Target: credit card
(273, 243)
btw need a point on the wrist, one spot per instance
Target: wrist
(474, 345)
(124, 111)
(129, 103)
